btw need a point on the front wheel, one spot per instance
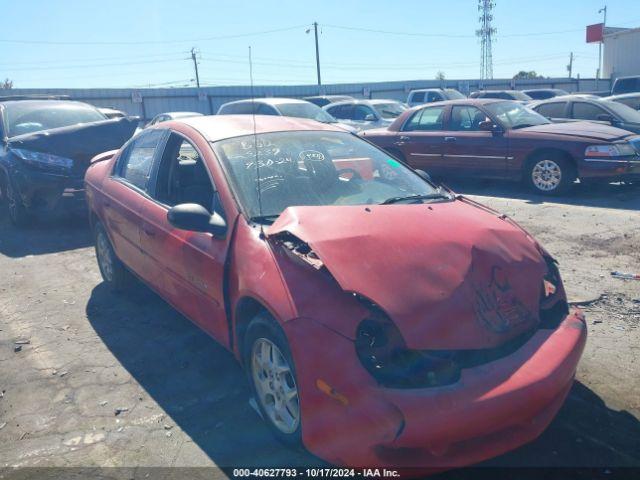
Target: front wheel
(550, 174)
(272, 376)
(18, 213)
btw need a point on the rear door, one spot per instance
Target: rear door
(554, 111)
(124, 192)
(187, 267)
(421, 139)
(470, 151)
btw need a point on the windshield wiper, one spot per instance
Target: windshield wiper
(431, 196)
(523, 125)
(264, 218)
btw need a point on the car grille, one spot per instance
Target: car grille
(636, 144)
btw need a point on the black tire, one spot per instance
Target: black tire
(18, 213)
(113, 271)
(264, 327)
(549, 174)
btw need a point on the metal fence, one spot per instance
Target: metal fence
(146, 103)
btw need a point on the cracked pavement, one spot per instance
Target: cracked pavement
(182, 400)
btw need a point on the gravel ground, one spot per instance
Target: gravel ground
(93, 379)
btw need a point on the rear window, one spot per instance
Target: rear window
(626, 85)
(22, 117)
(552, 110)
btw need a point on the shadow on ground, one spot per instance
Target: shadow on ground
(605, 195)
(194, 379)
(201, 386)
(45, 234)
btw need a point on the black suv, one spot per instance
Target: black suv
(47, 144)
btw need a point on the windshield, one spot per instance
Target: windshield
(23, 117)
(389, 110)
(453, 94)
(314, 168)
(515, 115)
(625, 112)
(305, 110)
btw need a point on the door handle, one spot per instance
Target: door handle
(450, 139)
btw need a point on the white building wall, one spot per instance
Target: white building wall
(621, 55)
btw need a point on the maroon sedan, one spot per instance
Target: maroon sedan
(492, 138)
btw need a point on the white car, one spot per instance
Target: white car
(286, 107)
(366, 114)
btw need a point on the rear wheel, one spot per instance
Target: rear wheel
(113, 271)
(272, 376)
(550, 174)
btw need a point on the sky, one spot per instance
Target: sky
(133, 43)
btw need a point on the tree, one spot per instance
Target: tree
(7, 84)
(522, 75)
(440, 75)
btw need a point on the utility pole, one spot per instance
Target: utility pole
(604, 24)
(570, 66)
(315, 28)
(195, 65)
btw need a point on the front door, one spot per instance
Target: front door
(188, 267)
(123, 194)
(470, 151)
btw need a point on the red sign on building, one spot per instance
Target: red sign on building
(595, 32)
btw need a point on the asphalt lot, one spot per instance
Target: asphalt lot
(111, 380)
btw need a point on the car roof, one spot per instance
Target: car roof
(329, 96)
(364, 101)
(219, 127)
(622, 95)
(464, 101)
(268, 100)
(46, 101)
(180, 114)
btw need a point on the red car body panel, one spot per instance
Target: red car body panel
(438, 304)
(433, 268)
(501, 155)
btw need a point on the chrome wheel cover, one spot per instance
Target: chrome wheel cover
(546, 175)
(275, 385)
(105, 258)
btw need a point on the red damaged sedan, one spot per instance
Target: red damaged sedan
(382, 321)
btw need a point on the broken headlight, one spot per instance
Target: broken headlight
(41, 159)
(384, 354)
(553, 304)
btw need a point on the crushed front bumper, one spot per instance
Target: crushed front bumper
(610, 170)
(43, 191)
(494, 408)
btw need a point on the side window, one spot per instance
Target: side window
(183, 177)
(434, 97)
(427, 119)
(466, 118)
(586, 111)
(552, 110)
(264, 109)
(360, 112)
(343, 112)
(136, 162)
(417, 97)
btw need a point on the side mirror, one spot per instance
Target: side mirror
(487, 126)
(370, 117)
(424, 175)
(196, 218)
(605, 117)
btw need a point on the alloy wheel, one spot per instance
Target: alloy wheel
(546, 175)
(275, 385)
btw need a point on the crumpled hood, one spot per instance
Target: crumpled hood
(450, 275)
(79, 142)
(588, 130)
